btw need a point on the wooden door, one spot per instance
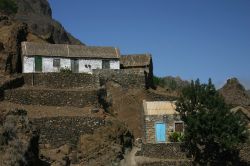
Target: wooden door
(38, 64)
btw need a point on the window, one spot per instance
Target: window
(179, 126)
(105, 64)
(56, 62)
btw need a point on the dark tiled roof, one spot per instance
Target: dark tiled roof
(71, 51)
(135, 60)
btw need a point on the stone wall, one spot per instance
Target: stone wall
(169, 163)
(54, 97)
(150, 121)
(163, 151)
(62, 80)
(125, 78)
(57, 131)
(10, 83)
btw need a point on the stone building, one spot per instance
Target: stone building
(43, 58)
(160, 120)
(139, 62)
(244, 113)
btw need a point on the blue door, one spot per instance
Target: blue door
(160, 132)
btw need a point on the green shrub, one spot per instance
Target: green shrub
(8, 6)
(158, 81)
(176, 137)
(212, 132)
(65, 70)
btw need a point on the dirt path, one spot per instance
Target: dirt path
(129, 159)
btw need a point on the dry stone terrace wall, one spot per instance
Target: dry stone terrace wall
(55, 97)
(124, 77)
(163, 151)
(62, 80)
(57, 131)
(10, 84)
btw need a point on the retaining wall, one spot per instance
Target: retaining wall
(163, 151)
(10, 84)
(54, 97)
(62, 80)
(126, 78)
(57, 131)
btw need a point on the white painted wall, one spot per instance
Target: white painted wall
(28, 64)
(85, 65)
(47, 64)
(114, 64)
(65, 63)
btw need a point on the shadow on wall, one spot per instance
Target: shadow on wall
(12, 83)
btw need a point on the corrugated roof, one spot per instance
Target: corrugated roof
(159, 107)
(135, 60)
(64, 50)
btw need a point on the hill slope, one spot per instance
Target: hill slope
(234, 93)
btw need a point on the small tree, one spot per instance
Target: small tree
(212, 132)
(8, 6)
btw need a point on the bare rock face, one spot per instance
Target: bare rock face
(234, 93)
(37, 15)
(32, 22)
(12, 34)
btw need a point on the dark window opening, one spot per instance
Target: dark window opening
(106, 64)
(56, 63)
(179, 126)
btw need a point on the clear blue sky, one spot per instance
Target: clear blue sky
(187, 38)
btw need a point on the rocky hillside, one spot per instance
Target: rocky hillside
(32, 22)
(18, 139)
(248, 92)
(38, 16)
(235, 93)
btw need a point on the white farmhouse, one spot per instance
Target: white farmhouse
(40, 57)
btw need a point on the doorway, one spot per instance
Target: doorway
(75, 65)
(160, 132)
(38, 64)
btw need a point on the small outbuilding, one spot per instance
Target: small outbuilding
(139, 62)
(43, 58)
(160, 120)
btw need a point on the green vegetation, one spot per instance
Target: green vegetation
(170, 83)
(65, 70)
(176, 137)
(158, 81)
(212, 132)
(8, 6)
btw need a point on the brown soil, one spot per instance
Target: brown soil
(127, 105)
(37, 111)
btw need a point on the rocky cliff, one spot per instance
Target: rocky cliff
(37, 14)
(235, 93)
(32, 22)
